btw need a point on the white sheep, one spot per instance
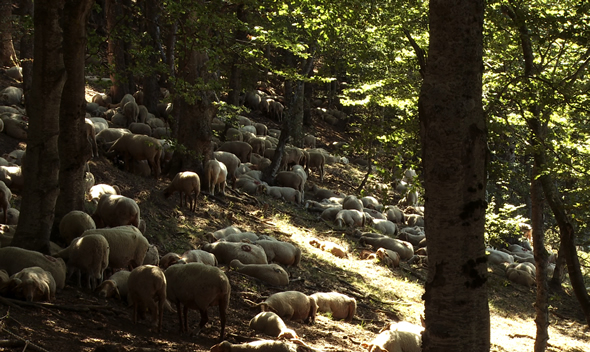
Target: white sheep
(191, 256)
(256, 346)
(272, 274)
(97, 191)
(291, 305)
(388, 257)
(403, 248)
(287, 194)
(13, 177)
(14, 259)
(152, 257)
(116, 210)
(498, 257)
(198, 286)
(247, 253)
(271, 324)
(147, 283)
(5, 197)
(216, 175)
(400, 337)
(352, 202)
(386, 227)
(88, 255)
(74, 224)
(33, 284)
(219, 234)
(127, 245)
(521, 273)
(339, 305)
(350, 218)
(281, 252)
(414, 220)
(186, 182)
(395, 214)
(116, 285)
(241, 237)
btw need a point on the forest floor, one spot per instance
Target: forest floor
(78, 320)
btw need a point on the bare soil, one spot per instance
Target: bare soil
(81, 321)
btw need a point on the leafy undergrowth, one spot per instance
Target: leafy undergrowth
(80, 321)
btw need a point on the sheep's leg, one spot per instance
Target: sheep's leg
(185, 318)
(180, 195)
(161, 312)
(204, 318)
(179, 315)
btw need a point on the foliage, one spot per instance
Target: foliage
(502, 225)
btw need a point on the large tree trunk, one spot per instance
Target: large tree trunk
(453, 131)
(235, 77)
(74, 148)
(41, 166)
(7, 53)
(151, 88)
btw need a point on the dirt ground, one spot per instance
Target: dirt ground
(81, 321)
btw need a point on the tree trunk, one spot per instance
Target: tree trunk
(453, 132)
(235, 77)
(115, 12)
(541, 303)
(151, 88)
(560, 269)
(41, 166)
(74, 148)
(7, 53)
(26, 49)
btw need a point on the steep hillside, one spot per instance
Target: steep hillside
(80, 321)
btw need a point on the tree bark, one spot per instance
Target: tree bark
(453, 133)
(41, 166)
(74, 148)
(235, 77)
(115, 12)
(560, 269)
(540, 253)
(7, 53)
(151, 88)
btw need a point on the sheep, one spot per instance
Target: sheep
(91, 136)
(127, 245)
(403, 248)
(394, 214)
(521, 273)
(13, 177)
(276, 110)
(388, 257)
(249, 185)
(400, 337)
(241, 237)
(191, 256)
(281, 252)
(309, 141)
(291, 305)
(413, 235)
(140, 128)
(15, 156)
(116, 285)
(271, 324)
(247, 253)
(329, 247)
(339, 305)
(215, 174)
(14, 259)
(330, 213)
(73, 225)
(88, 255)
(221, 233)
(350, 218)
(386, 227)
(285, 193)
(145, 284)
(352, 202)
(231, 162)
(139, 147)
(186, 182)
(33, 284)
(261, 129)
(116, 210)
(242, 150)
(97, 191)
(371, 203)
(15, 72)
(322, 193)
(290, 179)
(198, 286)
(106, 138)
(271, 274)
(374, 214)
(152, 256)
(102, 99)
(11, 96)
(15, 127)
(13, 216)
(415, 220)
(316, 161)
(313, 206)
(130, 111)
(4, 280)
(5, 197)
(256, 346)
(88, 181)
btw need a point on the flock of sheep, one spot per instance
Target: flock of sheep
(112, 238)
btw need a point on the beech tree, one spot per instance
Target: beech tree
(453, 131)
